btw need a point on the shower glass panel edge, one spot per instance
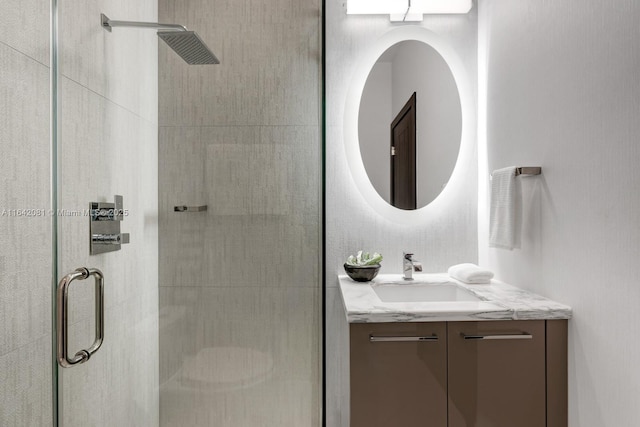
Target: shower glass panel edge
(53, 167)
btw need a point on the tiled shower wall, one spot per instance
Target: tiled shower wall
(107, 146)
(240, 283)
(25, 241)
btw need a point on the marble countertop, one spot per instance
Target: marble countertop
(499, 301)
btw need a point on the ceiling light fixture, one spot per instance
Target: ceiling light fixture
(407, 10)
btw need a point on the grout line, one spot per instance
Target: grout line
(110, 101)
(25, 54)
(27, 344)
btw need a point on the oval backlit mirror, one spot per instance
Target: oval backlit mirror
(410, 124)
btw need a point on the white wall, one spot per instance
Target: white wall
(562, 92)
(439, 239)
(375, 105)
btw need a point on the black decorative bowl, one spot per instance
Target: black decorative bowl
(364, 273)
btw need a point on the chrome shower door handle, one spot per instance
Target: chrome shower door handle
(62, 329)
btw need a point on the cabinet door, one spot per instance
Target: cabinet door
(497, 374)
(398, 374)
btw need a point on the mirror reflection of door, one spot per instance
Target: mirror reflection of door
(403, 156)
(404, 68)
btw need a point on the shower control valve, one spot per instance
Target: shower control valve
(104, 226)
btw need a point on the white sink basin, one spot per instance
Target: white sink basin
(422, 293)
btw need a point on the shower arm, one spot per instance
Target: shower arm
(108, 24)
(187, 44)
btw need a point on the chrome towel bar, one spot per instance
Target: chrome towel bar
(190, 208)
(528, 170)
(525, 171)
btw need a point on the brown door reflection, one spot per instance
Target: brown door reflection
(403, 157)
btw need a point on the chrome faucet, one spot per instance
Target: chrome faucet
(409, 265)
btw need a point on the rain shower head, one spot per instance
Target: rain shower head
(185, 43)
(189, 46)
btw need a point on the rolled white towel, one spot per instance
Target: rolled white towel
(470, 273)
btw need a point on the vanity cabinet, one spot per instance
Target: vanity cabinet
(497, 374)
(459, 374)
(398, 374)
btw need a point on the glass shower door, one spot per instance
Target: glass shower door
(240, 288)
(107, 147)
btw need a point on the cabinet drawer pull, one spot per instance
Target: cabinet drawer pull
(402, 339)
(522, 336)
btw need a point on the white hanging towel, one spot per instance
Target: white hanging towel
(505, 199)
